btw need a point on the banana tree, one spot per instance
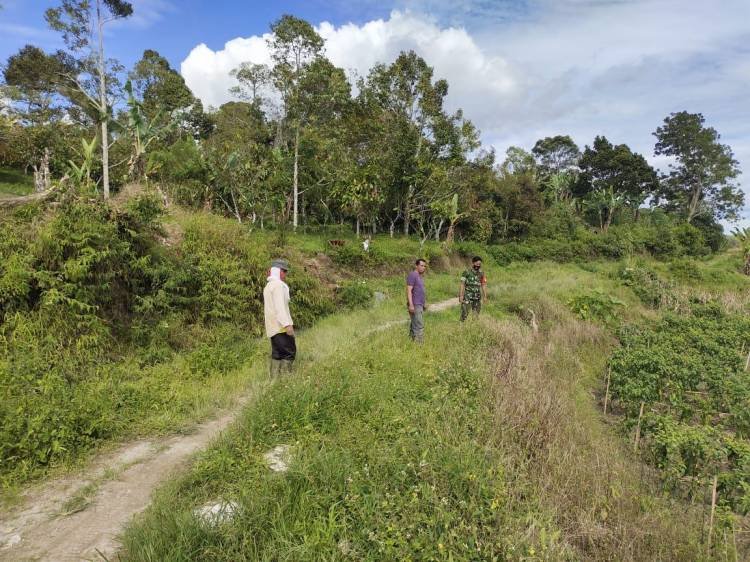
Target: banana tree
(142, 132)
(605, 202)
(81, 173)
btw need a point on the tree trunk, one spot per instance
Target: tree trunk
(357, 227)
(392, 228)
(438, 229)
(451, 233)
(407, 210)
(41, 173)
(236, 208)
(608, 222)
(694, 200)
(103, 104)
(296, 177)
(746, 269)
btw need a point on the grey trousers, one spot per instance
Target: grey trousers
(416, 324)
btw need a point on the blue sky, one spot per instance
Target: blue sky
(521, 69)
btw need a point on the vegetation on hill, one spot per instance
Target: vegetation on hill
(139, 310)
(483, 444)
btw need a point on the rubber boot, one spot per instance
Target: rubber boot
(275, 368)
(287, 366)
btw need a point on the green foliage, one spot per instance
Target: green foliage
(648, 285)
(689, 372)
(563, 240)
(100, 324)
(355, 294)
(595, 305)
(182, 170)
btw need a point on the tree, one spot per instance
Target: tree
(604, 202)
(419, 133)
(161, 88)
(240, 161)
(701, 178)
(556, 154)
(518, 161)
(32, 83)
(613, 176)
(252, 79)
(77, 20)
(294, 46)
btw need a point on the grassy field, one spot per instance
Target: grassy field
(486, 443)
(14, 182)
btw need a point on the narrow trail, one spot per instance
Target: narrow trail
(79, 517)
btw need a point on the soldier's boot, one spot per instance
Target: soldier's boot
(274, 368)
(287, 366)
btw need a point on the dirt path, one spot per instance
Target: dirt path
(79, 517)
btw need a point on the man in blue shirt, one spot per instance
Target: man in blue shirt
(416, 300)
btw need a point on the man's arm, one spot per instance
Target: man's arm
(409, 300)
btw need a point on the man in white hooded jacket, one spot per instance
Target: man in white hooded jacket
(279, 325)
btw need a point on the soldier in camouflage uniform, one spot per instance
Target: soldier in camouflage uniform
(473, 288)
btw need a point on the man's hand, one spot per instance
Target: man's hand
(289, 330)
(411, 309)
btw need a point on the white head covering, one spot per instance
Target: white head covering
(274, 273)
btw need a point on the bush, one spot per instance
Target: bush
(355, 294)
(648, 286)
(101, 326)
(595, 305)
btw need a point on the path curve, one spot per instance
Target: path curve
(121, 484)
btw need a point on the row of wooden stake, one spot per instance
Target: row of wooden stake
(637, 440)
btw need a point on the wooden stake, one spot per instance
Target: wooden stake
(638, 429)
(713, 510)
(606, 393)
(747, 363)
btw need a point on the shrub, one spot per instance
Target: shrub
(355, 294)
(648, 286)
(595, 305)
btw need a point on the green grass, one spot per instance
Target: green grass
(485, 443)
(14, 182)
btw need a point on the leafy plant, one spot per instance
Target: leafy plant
(355, 294)
(595, 305)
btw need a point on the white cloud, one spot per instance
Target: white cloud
(578, 67)
(473, 76)
(206, 72)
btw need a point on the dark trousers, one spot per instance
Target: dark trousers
(283, 346)
(466, 306)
